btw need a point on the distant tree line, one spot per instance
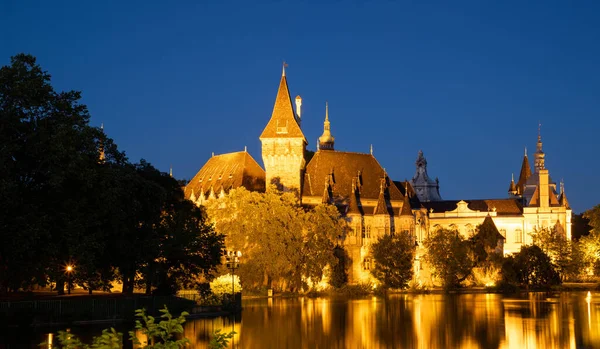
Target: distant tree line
(69, 197)
(455, 260)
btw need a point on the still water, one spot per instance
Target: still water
(536, 320)
(541, 320)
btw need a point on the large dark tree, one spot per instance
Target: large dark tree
(531, 267)
(48, 159)
(394, 256)
(62, 203)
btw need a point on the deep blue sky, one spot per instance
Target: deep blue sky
(466, 82)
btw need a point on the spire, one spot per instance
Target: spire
(381, 207)
(371, 149)
(563, 196)
(353, 204)
(326, 140)
(524, 174)
(512, 189)
(283, 72)
(539, 154)
(283, 122)
(406, 209)
(171, 171)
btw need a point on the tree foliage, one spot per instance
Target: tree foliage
(394, 256)
(282, 243)
(530, 267)
(61, 203)
(450, 257)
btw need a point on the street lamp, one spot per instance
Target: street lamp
(69, 270)
(233, 262)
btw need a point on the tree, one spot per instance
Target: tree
(69, 197)
(531, 267)
(566, 255)
(580, 226)
(449, 256)
(593, 216)
(393, 256)
(286, 245)
(339, 272)
(49, 161)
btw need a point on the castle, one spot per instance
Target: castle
(373, 203)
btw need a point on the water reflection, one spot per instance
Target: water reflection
(540, 320)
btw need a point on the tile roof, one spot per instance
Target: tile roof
(523, 175)
(346, 166)
(227, 171)
(283, 123)
(503, 206)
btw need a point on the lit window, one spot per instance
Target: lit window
(519, 236)
(367, 264)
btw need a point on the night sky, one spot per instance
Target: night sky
(466, 82)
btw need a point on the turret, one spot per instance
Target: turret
(512, 188)
(539, 156)
(326, 140)
(299, 109)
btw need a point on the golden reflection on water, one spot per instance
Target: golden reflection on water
(537, 320)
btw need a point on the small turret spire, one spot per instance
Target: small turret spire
(171, 171)
(371, 149)
(283, 71)
(539, 154)
(326, 141)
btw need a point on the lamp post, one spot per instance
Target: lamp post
(69, 270)
(233, 262)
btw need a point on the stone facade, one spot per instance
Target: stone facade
(372, 202)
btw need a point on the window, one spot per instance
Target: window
(368, 232)
(519, 236)
(282, 128)
(367, 264)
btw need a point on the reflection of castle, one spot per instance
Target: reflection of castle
(375, 204)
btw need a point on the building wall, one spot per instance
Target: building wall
(284, 161)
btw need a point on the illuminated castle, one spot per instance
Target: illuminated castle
(374, 203)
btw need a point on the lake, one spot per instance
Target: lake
(534, 320)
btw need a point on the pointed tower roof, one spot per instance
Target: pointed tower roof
(353, 204)
(283, 122)
(562, 199)
(406, 210)
(524, 174)
(512, 188)
(381, 207)
(326, 141)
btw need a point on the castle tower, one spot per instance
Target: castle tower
(426, 188)
(283, 143)
(326, 140)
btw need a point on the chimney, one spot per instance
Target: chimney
(544, 188)
(299, 108)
